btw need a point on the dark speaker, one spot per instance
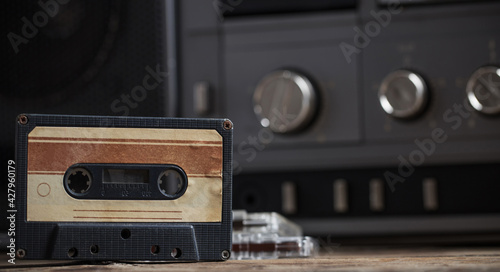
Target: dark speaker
(93, 57)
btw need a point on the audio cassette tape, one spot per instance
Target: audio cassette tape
(123, 188)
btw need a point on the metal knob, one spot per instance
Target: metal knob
(403, 94)
(483, 90)
(285, 101)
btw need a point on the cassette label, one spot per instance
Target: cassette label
(198, 153)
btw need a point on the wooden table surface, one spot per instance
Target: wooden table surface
(338, 259)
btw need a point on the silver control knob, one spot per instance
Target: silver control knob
(403, 94)
(483, 90)
(284, 101)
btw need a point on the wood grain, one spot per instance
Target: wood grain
(342, 259)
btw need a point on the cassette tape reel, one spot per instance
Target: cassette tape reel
(123, 188)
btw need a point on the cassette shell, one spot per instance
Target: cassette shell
(189, 239)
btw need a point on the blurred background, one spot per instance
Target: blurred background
(362, 121)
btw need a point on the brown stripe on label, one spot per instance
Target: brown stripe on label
(126, 133)
(55, 139)
(119, 217)
(46, 172)
(205, 160)
(203, 176)
(141, 211)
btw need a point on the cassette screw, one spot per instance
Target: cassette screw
(21, 253)
(225, 255)
(22, 119)
(227, 125)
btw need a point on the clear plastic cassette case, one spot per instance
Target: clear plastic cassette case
(269, 236)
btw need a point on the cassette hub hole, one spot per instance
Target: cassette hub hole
(78, 180)
(94, 249)
(155, 249)
(125, 233)
(72, 252)
(171, 182)
(176, 253)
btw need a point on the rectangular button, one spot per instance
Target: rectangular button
(340, 199)
(430, 197)
(377, 195)
(289, 197)
(201, 96)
